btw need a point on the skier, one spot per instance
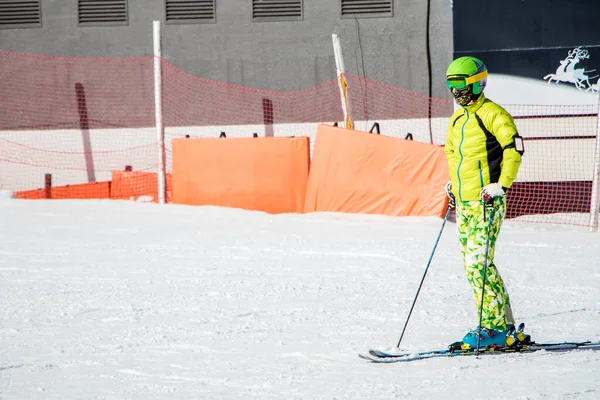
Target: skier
(484, 153)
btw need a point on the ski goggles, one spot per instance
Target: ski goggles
(462, 82)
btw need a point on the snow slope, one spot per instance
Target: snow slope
(124, 300)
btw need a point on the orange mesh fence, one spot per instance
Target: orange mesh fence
(397, 112)
(77, 120)
(94, 190)
(139, 186)
(82, 119)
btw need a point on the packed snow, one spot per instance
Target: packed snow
(128, 300)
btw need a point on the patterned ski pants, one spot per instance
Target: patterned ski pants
(472, 236)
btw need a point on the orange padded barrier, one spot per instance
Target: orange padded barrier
(134, 185)
(94, 190)
(359, 172)
(265, 174)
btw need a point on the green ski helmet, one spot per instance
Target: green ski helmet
(465, 71)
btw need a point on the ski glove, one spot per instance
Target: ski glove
(490, 192)
(452, 202)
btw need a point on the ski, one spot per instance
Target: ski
(522, 348)
(379, 356)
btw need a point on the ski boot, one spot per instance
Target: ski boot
(482, 338)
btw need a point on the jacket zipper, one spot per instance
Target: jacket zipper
(462, 139)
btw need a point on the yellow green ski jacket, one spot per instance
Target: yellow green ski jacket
(481, 148)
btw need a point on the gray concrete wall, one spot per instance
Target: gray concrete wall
(282, 56)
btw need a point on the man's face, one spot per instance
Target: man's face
(463, 97)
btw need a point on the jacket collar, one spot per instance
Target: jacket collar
(477, 105)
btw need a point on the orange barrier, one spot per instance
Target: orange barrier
(135, 185)
(359, 172)
(125, 185)
(265, 174)
(93, 190)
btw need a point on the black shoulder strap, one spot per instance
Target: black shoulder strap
(456, 119)
(485, 130)
(493, 149)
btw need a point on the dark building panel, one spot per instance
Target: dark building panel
(524, 24)
(532, 38)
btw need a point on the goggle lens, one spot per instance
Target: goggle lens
(458, 83)
(463, 82)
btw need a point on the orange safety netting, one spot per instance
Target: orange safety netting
(86, 128)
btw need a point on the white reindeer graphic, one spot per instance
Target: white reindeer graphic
(595, 87)
(567, 72)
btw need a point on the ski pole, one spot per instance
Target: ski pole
(425, 273)
(485, 264)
